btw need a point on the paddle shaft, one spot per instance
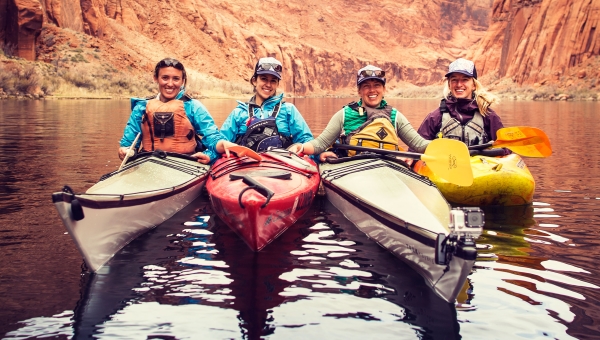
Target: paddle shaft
(531, 140)
(128, 150)
(412, 155)
(448, 158)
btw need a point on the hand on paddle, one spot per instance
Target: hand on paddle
(224, 146)
(228, 147)
(124, 150)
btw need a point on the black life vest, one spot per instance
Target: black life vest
(262, 134)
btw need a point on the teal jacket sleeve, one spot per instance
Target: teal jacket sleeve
(232, 126)
(134, 124)
(296, 124)
(205, 126)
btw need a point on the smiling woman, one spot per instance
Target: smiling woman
(370, 122)
(170, 76)
(464, 113)
(266, 120)
(172, 121)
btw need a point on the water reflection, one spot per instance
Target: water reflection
(535, 286)
(536, 276)
(195, 277)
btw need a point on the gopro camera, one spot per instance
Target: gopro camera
(467, 221)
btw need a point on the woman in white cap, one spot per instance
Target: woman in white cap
(370, 122)
(464, 113)
(266, 120)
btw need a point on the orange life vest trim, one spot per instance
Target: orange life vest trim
(169, 121)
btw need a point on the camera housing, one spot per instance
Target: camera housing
(467, 221)
(466, 225)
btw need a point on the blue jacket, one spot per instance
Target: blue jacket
(289, 120)
(198, 115)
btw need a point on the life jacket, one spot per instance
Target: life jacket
(165, 126)
(378, 130)
(472, 133)
(263, 133)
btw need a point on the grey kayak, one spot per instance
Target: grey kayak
(405, 213)
(126, 203)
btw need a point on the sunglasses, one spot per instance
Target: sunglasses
(170, 63)
(372, 73)
(268, 66)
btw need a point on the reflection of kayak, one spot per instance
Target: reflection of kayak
(496, 181)
(171, 275)
(508, 230)
(126, 203)
(405, 213)
(260, 200)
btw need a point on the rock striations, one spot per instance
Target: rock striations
(539, 40)
(318, 42)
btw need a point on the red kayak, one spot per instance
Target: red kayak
(259, 200)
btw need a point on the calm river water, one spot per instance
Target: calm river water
(323, 279)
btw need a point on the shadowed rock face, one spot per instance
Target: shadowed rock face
(536, 41)
(22, 20)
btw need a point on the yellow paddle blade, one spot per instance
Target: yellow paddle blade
(524, 140)
(450, 160)
(242, 151)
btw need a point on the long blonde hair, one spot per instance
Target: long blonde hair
(483, 98)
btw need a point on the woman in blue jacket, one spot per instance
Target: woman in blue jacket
(266, 120)
(173, 121)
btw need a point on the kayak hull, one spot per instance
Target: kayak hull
(257, 219)
(127, 203)
(400, 210)
(503, 181)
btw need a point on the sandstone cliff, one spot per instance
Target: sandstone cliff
(540, 40)
(319, 43)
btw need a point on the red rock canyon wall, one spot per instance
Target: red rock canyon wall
(538, 40)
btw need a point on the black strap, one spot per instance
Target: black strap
(275, 109)
(443, 106)
(353, 105)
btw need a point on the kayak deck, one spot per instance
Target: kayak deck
(504, 181)
(126, 203)
(405, 213)
(260, 200)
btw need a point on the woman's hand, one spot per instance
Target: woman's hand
(296, 148)
(202, 158)
(123, 152)
(223, 147)
(302, 148)
(327, 154)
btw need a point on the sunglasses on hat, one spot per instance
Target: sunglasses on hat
(268, 67)
(372, 73)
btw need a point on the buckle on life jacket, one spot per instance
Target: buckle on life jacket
(164, 125)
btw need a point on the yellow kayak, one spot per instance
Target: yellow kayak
(504, 181)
